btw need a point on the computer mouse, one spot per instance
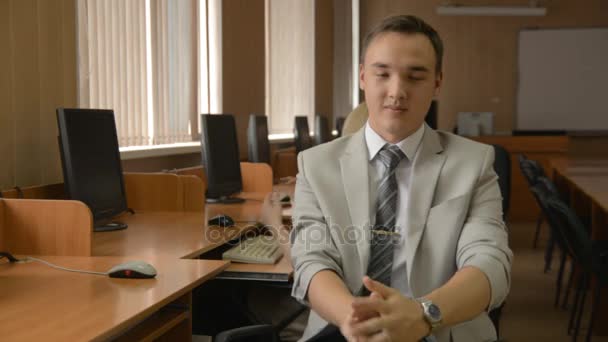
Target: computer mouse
(133, 269)
(222, 221)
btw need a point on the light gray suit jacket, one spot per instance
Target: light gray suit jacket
(455, 220)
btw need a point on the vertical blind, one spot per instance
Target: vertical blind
(290, 60)
(141, 59)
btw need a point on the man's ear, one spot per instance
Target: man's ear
(361, 77)
(438, 84)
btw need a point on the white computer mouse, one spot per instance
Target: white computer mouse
(133, 269)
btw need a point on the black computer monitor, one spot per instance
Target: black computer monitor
(92, 172)
(339, 125)
(322, 133)
(302, 133)
(257, 139)
(220, 152)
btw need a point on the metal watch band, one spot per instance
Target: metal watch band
(434, 321)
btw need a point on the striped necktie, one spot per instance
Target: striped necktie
(382, 240)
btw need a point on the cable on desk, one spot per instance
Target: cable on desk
(63, 268)
(9, 256)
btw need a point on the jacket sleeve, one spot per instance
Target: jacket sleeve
(312, 248)
(483, 242)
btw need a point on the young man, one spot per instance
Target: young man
(415, 209)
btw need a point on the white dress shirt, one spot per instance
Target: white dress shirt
(409, 146)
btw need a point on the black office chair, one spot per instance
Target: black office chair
(590, 255)
(322, 133)
(545, 187)
(531, 170)
(502, 167)
(301, 134)
(257, 139)
(252, 333)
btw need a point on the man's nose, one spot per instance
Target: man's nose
(397, 89)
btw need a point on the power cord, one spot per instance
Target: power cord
(63, 268)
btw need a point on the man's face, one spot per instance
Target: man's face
(399, 80)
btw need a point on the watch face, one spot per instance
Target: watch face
(434, 312)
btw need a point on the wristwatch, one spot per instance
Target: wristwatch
(432, 313)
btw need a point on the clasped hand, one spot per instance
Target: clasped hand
(384, 315)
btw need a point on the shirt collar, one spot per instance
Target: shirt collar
(408, 146)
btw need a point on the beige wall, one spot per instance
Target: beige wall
(37, 75)
(481, 52)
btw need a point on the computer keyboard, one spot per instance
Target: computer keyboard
(257, 250)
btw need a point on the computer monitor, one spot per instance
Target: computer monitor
(257, 139)
(475, 123)
(322, 134)
(301, 133)
(220, 152)
(431, 115)
(90, 158)
(339, 125)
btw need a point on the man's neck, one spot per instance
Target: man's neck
(393, 138)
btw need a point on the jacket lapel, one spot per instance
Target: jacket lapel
(355, 175)
(425, 173)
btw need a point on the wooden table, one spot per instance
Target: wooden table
(585, 183)
(186, 235)
(40, 303)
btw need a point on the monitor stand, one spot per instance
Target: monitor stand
(109, 226)
(225, 200)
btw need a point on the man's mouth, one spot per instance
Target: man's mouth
(396, 108)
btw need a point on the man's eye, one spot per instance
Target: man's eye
(382, 75)
(413, 78)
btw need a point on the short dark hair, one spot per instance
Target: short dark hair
(406, 24)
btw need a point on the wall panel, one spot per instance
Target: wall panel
(480, 62)
(38, 68)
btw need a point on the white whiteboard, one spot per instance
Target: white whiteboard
(563, 79)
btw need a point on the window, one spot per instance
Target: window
(150, 61)
(290, 63)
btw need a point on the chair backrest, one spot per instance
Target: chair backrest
(257, 139)
(541, 194)
(322, 134)
(502, 167)
(549, 185)
(572, 229)
(301, 133)
(531, 169)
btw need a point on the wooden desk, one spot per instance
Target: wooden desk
(186, 235)
(40, 303)
(103, 307)
(523, 206)
(585, 184)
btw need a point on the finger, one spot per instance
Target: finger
(368, 327)
(375, 286)
(379, 337)
(368, 306)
